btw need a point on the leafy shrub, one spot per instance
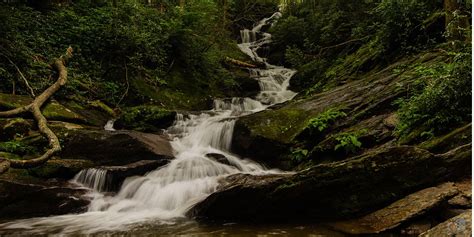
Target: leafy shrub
(324, 119)
(445, 101)
(349, 141)
(298, 155)
(16, 147)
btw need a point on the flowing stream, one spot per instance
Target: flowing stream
(166, 194)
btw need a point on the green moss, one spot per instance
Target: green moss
(449, 141)
(281, 125)
(10, 156)
(17, 147)
(145, 118)
(58, 168)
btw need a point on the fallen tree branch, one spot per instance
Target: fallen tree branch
(239, 63)
(35, 109)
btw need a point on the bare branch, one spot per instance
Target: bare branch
(35, 109)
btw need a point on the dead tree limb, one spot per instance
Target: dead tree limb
(35, 108)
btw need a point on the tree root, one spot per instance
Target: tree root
(35, 109)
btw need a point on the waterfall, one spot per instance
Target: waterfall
(109, 126)
(170, 191)
(92, 178)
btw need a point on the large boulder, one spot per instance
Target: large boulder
(113, 147)
(117, 174)
(405, 209)
(32, 198)
(336, 190)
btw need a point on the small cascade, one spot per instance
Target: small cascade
(109, 126)
(238, 105)
(93, 178)
(170, 191)
(248, 36)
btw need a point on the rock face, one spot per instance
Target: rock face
(267, 136)
(336, 190)
(114, 148)
(407, 208)
(25, 200)
(460, 225)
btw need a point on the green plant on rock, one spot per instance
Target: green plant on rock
(323, 120)
(16, 147)
(349, 141)
(298, 155)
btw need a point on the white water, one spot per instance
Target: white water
(109, 126)
(93, 178)
(169, 192)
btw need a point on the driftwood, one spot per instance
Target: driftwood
(35, 108)
(239, 63)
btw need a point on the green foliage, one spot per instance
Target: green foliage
(328, 41)
(145, 118)
(16, 147)
(324, 119)
(119, 47)
(443, 101)
(298, 155)
(349, 141)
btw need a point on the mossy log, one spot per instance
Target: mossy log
(35, 108)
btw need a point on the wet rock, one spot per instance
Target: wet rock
(337, 190)
(60, 168)
(457, 226)
(219, 158)
(407, 208)
(25, 200)
(113, 148)
(117, 174)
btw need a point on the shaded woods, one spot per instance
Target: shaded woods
(352, 116)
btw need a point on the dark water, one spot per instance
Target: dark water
(185, 227)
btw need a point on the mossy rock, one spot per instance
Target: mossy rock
(270, 135)
(147, 118)
(15, 127)
(58, 168)
(458, 137)
(10, 156)
(51, 110)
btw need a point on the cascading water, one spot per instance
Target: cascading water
(168, 192)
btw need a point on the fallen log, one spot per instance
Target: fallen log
(239, 63)
(35, 108)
